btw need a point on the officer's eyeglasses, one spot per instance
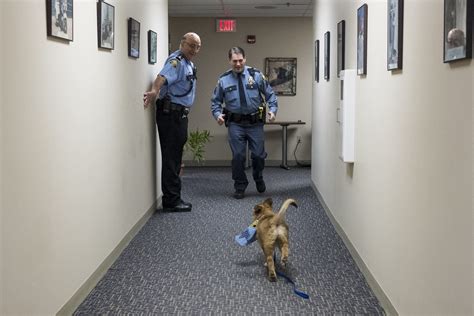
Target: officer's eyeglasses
(194, 46)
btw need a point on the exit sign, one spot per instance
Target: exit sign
(226, 25)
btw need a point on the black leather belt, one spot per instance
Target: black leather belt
(166, 106)
(251, 118)
(177, 107)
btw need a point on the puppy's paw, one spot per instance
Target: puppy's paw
(272, 277)
(265, 264)
(284, 261)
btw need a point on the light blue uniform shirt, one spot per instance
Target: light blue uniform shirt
(180, 75)
(227, 91)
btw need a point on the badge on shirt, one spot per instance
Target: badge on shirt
(251, 81)
(174, 63)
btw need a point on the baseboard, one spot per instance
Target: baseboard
(73, 303)
(228, 163)
(378, 292)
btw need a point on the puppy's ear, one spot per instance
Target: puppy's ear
(257, 209)
(268, 202)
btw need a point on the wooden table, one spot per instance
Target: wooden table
(284, 134)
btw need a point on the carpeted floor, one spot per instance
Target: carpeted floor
(189, 263)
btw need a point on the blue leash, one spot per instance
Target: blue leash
(297, 292)
(247, 237)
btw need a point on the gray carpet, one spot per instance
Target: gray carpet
(188, 263)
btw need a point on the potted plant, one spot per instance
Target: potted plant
(195, 145)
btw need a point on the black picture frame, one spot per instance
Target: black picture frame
(281, 74)
(133, 38)
(362, 16)
(341, 46)
(60, 19)
(105, 25)
(316, 60)
(394, 34)
(152, 45)
(327, 55)
(457, 30)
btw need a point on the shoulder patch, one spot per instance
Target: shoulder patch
(174, 63)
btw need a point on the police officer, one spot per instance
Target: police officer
(244, 90)
(175, 87)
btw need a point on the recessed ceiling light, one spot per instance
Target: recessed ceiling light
(266, 7)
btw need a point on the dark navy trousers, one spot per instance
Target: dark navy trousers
(239, 136)
(173, 133)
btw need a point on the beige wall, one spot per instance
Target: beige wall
(77, 148)
(276, 37)
(406, 203)
(2, 27)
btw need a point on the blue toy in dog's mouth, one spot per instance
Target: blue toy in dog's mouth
(248, 236)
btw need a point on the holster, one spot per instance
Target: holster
(226, 116)
(262, 113)
(164, 103)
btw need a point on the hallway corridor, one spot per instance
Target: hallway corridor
(188, 263)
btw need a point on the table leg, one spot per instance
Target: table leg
(284, 160)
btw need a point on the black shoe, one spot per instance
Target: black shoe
(239, 194)
(181, 207)
(261, 186)
(186, 203)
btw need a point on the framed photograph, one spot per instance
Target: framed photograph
(327, 51)
(133, 38)
(59, 19)
(105, 25)
(394, 34)
(281, 74)
(362, 15)
(152, 42)
(341, 46)
(457, 30)
(316, 60)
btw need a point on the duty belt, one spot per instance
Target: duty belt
(251, 118)
(166, 106)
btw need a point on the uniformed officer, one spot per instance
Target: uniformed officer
(244, 90)
(175, 85)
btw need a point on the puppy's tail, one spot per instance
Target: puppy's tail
(282, 212)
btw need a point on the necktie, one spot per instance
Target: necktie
(243, 101)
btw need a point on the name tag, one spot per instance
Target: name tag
(230, 88)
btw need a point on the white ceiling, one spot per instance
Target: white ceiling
(240, 8)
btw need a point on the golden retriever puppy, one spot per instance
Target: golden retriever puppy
(272, 231)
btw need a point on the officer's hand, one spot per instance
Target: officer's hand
(271, 116)
(221, 119)
(148, 98)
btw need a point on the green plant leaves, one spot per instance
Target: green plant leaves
(195, 145)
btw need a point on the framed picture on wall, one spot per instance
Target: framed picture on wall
(59, 19)
(105, 25)
(362, 15)
(281, 74)
(133, 38)
(394, 34)
(316, 60)
(327, 51)
(457, 29)
(341, 44)
(152, 42)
